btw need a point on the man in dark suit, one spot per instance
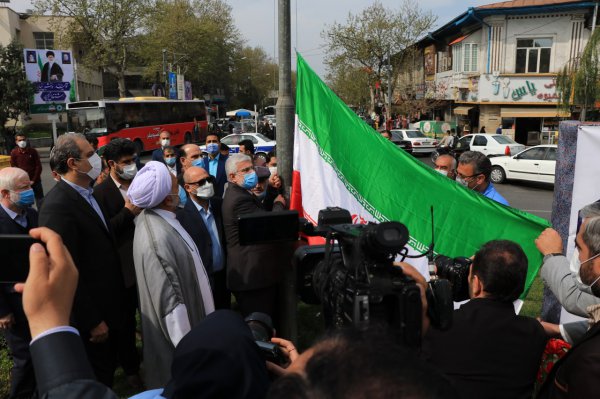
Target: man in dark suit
(202, 219)
(51, 71)
(490, 352)
(164, 140)
(253, 271)
(111, 196)
(214, 164)
(71, 210)
(577, 374)
(16, 217)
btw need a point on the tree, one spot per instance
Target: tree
(352, 86)
(16, 90)
(253, 77)
(375, 38)
(104, 28)
(578, 84)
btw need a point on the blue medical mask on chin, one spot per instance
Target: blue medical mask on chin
(250, 181)
(170, 161)
(26, 198)
(198, 162)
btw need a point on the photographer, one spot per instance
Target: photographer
(490, 351)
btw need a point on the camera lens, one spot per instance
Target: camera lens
(385, 238)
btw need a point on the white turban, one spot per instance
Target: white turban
(151, 185)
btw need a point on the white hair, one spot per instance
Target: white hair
(8, 177)
(233, 161)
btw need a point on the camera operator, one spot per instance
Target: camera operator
(490, 351)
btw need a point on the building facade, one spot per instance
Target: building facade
(496, 65)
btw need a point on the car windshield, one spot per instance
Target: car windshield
(414, 134)
(500, 139)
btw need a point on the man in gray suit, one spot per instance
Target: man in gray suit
(173, 286)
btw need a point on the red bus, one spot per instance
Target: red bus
(139, 119)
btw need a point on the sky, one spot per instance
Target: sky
(256, 21)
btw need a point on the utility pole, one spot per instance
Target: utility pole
(389, 88)
(285, 149)
(165, 78)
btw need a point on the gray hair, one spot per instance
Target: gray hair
(591, 235)
(454, 163)
(481, 164)
(590, 210)
(232, 162)
(8, 176)
(66, 147)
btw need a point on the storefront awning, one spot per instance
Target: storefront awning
(534, 112)
(462, 110)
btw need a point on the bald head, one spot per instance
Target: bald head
(189, 153)
(193, 174)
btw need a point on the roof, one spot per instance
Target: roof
(524, 3)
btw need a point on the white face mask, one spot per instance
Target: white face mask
(575, 267)
(273, 170)
(96, 163)
(22, 144)
(129, 172)
(165, 142)
(206, 191)
(442, 172)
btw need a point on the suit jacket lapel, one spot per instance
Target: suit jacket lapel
(85, 206)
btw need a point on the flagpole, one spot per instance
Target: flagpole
(285, 148)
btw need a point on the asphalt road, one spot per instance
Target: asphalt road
(530, 197)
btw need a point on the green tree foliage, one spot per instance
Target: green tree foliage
(254, 75)
(16, 91)
(104, 28)
(352, 85)
(578, 83)
(367, 40)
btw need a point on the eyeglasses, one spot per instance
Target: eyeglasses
(202, 182)
(246, 170)
(468, 177)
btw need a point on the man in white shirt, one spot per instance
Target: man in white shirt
(173, 285)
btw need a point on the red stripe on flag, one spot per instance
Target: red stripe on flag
(296, 200)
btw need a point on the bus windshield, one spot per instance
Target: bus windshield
(87, 121)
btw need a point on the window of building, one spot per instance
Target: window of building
(466, 57)
(43, 40)
(533, 55)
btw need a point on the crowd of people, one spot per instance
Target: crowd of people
(163, 239)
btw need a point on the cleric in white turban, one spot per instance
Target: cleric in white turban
(173, 286)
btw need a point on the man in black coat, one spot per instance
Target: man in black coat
(577, 374)
(490, 352)
(51, 71)
(16, 217)
(201, 217)
(253, 271)
(119, 154)
(71, 210)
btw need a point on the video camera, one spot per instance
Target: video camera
(353, 275)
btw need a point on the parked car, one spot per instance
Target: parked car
(262, 144)
(398, 139)
(489, 144)
(420, 143)
(534, 164)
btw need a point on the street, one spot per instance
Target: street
(529, 197)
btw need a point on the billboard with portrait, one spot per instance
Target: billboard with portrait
(51, 72)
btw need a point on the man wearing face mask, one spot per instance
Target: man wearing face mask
(174, 288)
(164, 139)
(73, 212)
(563, 276)
(28, 159)
(111, 194)
(16, 217)
(214, 164)
(446, 165)
(253, 271)
(577, 374)
(201, 217)
(473, 172)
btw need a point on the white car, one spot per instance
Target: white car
(262, 144)
(421, 144)
(534, 164)
(489, 144)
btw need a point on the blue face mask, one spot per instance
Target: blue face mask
(182, 197)
(262, 195)
(250, 181)
(212, 148)
(198, 162)
(26, 199)
(170, 161)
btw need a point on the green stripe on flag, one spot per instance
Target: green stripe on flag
(393, 185)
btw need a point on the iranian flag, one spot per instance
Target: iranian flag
(341, 161)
